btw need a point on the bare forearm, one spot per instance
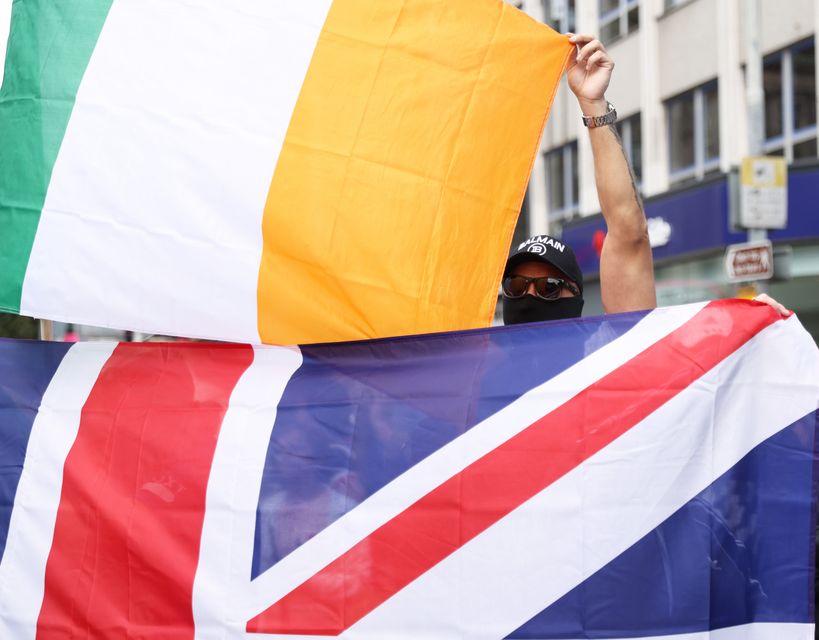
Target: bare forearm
(626, 268)
(616, 189)
(626, 265)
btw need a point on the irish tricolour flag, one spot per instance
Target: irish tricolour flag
(267, 170)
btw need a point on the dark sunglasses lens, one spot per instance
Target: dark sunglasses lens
(515, 286)
(549, 288)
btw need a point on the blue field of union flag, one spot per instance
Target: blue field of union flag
(645, 475)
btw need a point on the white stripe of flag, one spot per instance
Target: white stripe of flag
(648, 473)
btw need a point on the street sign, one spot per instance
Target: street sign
(763, 193)
(749, 261)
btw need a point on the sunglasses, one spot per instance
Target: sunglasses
(546, 287)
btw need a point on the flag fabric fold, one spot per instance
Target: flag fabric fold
(640, 475)
(265, 171)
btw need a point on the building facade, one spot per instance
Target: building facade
(679, 89)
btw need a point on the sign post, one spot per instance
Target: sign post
(46, 330)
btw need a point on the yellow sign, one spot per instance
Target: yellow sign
(763, 172)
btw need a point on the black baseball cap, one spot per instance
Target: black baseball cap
(549, 250)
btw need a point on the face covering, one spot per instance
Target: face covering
(532, 309)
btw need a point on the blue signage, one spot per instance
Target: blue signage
(695, 220)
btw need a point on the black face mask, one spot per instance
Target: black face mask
(532, 309)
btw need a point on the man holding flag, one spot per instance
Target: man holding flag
(542, 279)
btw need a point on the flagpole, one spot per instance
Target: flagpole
(755, 102)
(46, 330)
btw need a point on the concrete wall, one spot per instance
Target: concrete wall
(688, 52)
(564, 120)
(625, 88)
(784, 22)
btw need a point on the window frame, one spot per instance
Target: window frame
(566, 22)
(626, 132)
(619, 15)
(571, 197)
(790, 136)
(701, 165)
(671, 5)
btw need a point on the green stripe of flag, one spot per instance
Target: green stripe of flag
(50, 44)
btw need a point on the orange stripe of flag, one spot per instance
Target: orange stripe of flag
(404, 168)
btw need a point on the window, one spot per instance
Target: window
(522, 227)
(789, 81)
(671, 4)
(631, 133)
(618, 18)
(559, 14)
(561, 181)
(693, 133)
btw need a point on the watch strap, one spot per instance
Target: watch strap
(610, 117)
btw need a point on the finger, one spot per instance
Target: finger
(580, 38)
(590, 48)
(779, 308)
(595, 59)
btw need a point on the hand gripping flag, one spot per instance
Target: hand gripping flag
(639, 475)
(251, 170)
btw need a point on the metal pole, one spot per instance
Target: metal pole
(754, 99)
(46, 330)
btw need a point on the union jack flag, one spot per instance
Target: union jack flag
(639, 475)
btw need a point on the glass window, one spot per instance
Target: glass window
(772, 83)
(618, 18)
(631, 135)
(606, 6)
(711, 108)
(637, 148)
(693, 133)
(562, 180)
(559, 14)
(522, 226)
(554, 173)
(633, 19)
(574, 183)
(804, 88)
(681, 129)
(806, 149)
(790, 101)
(610, 31)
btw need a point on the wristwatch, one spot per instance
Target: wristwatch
(610, 117)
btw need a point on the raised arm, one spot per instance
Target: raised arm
(626, 267)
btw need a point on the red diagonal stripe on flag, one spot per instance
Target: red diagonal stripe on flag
(126, 541)
(445, 519)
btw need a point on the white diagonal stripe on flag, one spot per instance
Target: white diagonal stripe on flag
(223, 574)
(665, 460)
(395, 497)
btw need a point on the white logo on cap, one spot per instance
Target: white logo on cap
(538, 244)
